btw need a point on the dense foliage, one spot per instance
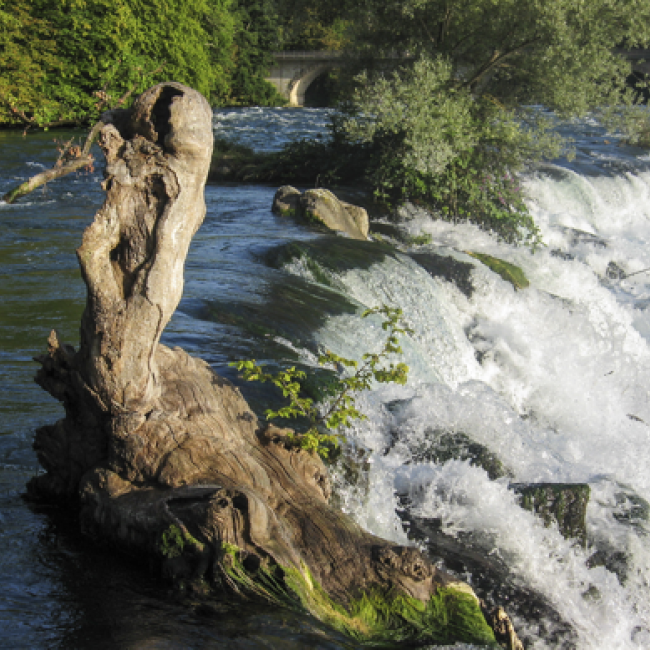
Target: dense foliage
(314, 25)
(57, 55)
(255, 41)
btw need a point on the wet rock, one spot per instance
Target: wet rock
(286, 201)
(504, 631)
(447, 268)
(633, 513)
(323, 208)
(443, 446)
(583, 237)
(562, 503)
(328, 257)
(389, 231)
(614, 272)
(466, 555)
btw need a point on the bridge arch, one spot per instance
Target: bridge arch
(294, 72)
(299, 86)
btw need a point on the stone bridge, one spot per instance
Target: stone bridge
(294, 72)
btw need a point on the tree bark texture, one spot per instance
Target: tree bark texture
(165, 458)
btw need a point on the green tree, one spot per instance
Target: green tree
(58, 54)
(311, 25)
(560, 53)
(28, 56)
(72, 49)
(256, 38)
(438, 115)
(174, 31)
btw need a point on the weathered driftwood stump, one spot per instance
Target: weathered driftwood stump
(165, 458)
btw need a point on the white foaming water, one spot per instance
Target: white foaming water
(553, 379)
(269, 129)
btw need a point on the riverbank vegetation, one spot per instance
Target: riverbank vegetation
(441, 115)
(64, 61)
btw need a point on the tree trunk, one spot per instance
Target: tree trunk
(165, 458)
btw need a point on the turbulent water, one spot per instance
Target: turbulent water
(553, 380)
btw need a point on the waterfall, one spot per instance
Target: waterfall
(553, 380)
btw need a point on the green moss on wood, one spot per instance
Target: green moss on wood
(171, 542)
(174, 541)
(451, 615)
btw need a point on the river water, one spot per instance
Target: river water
(553, 380)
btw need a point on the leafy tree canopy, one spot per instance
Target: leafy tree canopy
(57, 55)
(560, 53)
(312, 25)
(256, 38)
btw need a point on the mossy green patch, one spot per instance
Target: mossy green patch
(565, 504)
(379, 619)
(509, 272)
(174, 540)
(420, 240)
(171, 542)
(451, 615)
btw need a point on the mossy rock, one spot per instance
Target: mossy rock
(286, 202)
(331, 254)
(389, 231)
(443, 446)
(562, 503)
(446, 267)
(509, 272)
(322, 207)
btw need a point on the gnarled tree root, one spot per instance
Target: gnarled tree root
(165, 458)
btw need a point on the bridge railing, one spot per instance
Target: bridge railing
(316, 54)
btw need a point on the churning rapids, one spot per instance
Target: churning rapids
(553, 380)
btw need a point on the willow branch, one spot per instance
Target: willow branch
(496, 60)
(70, 160)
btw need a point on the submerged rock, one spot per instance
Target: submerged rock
(448, 268)
(509, 272)
(322, 207)
(564, 503)
(327, 257)
(632, 513)
(443, 446)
